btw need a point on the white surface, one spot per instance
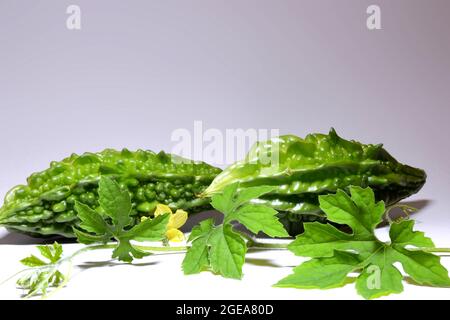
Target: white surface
(160, 277)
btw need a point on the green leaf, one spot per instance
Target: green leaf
(45, 252)
(32, 261)
(425, 268)
(126, 252)
(260, 218)
(51, 252)
(91, 220)
(340, 208)
(149, 229)
(379, 276)
(223, 202)
(321, 240)
(197, 257)
(322, 273)
(117, 205)
(370, 212)
(227, 253)
(204, 228)
(401, 233)
(115, 201)
(87, 238)
(379, 280)
(219, 248)
(57, 251)
(42, 275)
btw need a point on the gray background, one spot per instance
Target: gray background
(140, 69)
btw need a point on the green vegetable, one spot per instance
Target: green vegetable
(220, 248)
(45, 206)
(116, 205)
(302, 169)
(42, 274)
(335, 254)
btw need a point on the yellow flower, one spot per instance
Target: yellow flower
(176, 221)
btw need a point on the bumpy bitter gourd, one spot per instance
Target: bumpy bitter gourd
(45, 206)
(303, 169)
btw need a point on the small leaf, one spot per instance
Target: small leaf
(87, 238)
(115, 201)
(125, 251)
(376, 281)
(320, 240)
(202, 229)
(149, 229)
(58, 250)
(32, 261)
(423, 267)
(91, 220)
(322, 273)
(401, 233)
(370, 212)
(51, 252)
(223, 202)
(45, 252)
(260, 218)
(341, 209)
(227, 253)
(197, 256)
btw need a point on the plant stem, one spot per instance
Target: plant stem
(253, 242)
(434, 249)
(162, 249)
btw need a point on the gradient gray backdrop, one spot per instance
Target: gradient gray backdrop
(140, 69)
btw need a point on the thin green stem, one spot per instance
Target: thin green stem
(162, 249)
(262, 245)
(434, 249)
(253, 243)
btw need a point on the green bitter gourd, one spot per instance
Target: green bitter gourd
(45, 206)
(303, 169)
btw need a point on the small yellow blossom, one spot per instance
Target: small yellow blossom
(176, 221)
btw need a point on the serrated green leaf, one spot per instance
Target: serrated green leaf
(341, 209)
(39, 284)
(197, 257)
(223, 202)
(45, 252)
(258, 218)
(201, 229)
(57, 251)
(115, 201)
(219, 248)
(362, 214)
(125, 251)
(227, 252)
(376, 281)
(401, 233)
(150, 229)
(320, 240)
(87, 238)
(425, 268)
(322, 273)
(370, 212)
(91, 220)
(51, 252)
(32, 261)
